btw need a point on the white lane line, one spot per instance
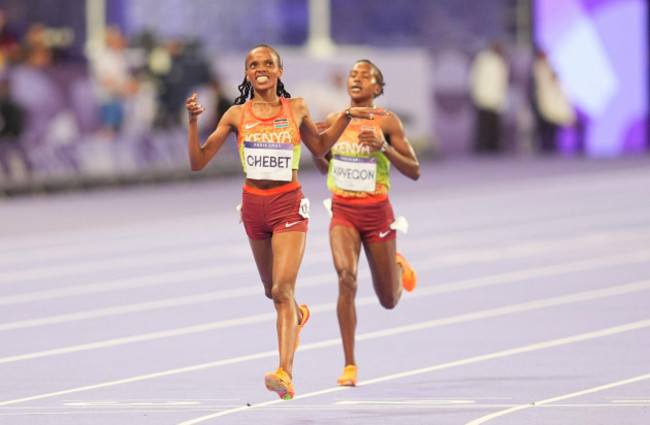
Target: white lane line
(95, 234)
(417, 402)
(98, 266)
(170, 333)
(636, 401)
(185, 255)
(500, 413)
(579, 244)
(134, 403)
(121, 247)
(522, 250)
(478, 315)
(498, 279)
(170, 277)
(498, 354)
(536, 272)
(386, 332)
(132, 308)
(583, 244)
(514, 308)
(139, 378)
(34, 271)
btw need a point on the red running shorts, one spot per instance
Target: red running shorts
(277, 210)
(372, 218)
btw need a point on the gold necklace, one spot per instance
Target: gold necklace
(264, 102)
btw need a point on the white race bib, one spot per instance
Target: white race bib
(304, 207)
(354, 173)
(268, 161)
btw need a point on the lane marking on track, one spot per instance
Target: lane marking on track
(66, 237)
(206, 327)
(133, 260)
(495, 355)
(483, 281)
(589, 182)
(518, 408)
(386, 332)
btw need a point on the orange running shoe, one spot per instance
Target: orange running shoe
(409, 277)
(280, 383)
(305, 317)
(349, 377)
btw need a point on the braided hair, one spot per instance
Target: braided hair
(246, 88)
(379, 77)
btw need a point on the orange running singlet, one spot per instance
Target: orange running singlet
(355, 172)
(269, 148)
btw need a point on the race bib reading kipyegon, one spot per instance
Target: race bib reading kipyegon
(354, 173)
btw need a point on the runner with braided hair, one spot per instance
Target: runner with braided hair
(269, 128)
(246, 88)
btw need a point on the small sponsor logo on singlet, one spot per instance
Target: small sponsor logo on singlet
(249, 126)
(281, 123)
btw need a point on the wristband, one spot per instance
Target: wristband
(384, 147)
(348, 114)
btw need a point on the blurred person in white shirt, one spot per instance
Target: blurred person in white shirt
(489, 77)
(112, 78)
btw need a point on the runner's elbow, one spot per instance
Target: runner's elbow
(416, 174)
(196, 166)
(319, 153)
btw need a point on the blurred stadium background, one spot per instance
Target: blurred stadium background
(92, 91)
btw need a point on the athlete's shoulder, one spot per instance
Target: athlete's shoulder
(235, 108)
(299, 109)
(389, 118)
(297, 102)
(233, 115)
(331, 117)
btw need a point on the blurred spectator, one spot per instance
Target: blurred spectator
(327, 94)
(216, 104)
(489, 89)
(112, 78)
(11, 115)
(11, 128)
(9, 47)
(35, 50)
(550, 103)
(187, 71)
(453, 111)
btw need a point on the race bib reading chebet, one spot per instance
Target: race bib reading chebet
(268, 161)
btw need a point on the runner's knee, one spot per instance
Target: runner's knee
(281, 293)
(267, 289)
(388, 302)
(347, 282)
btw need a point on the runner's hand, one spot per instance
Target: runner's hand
(365, 112)
(322, 126)
(193, 108)
(369, 138)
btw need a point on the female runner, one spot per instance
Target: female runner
(269, 126)
(358, 175)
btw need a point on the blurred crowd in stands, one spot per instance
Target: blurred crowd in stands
(527, 86)
(118, 110)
